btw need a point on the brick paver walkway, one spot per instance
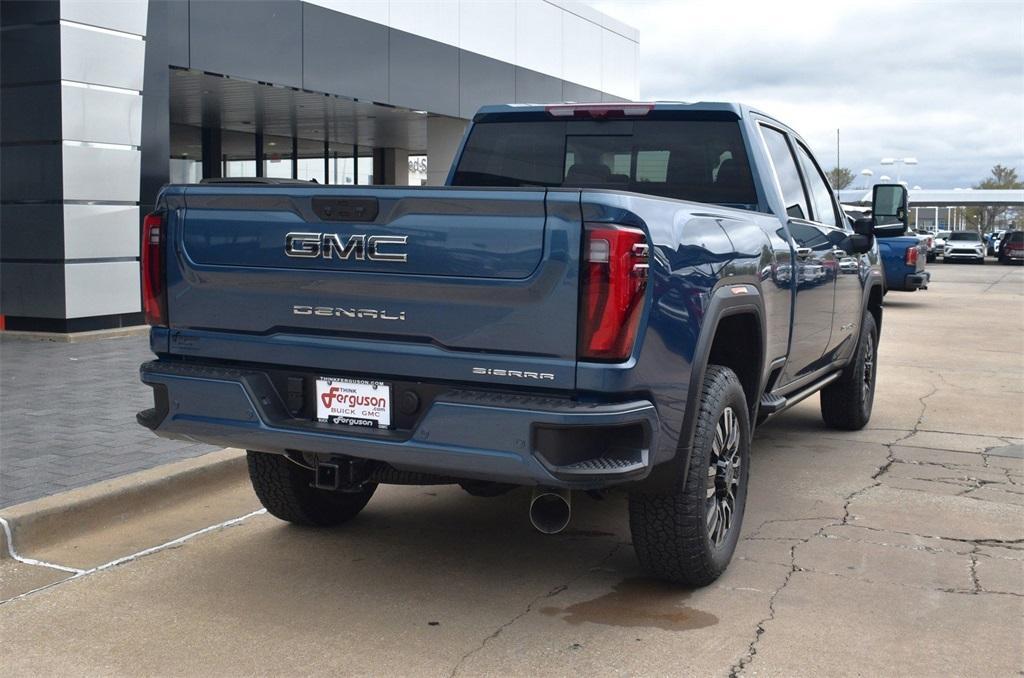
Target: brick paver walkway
(67, 416)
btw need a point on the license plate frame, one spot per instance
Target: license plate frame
(353, 403)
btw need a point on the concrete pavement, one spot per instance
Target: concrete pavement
(896, 550)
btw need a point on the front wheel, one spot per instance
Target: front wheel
(846, 402)
(286, 490)
(688, 535)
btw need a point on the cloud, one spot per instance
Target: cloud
(941, 81)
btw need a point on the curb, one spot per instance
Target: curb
(76, 337)
(50, 520)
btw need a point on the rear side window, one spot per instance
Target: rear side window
(786, 173)
(700, 160)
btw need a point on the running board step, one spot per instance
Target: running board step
(771, 403)
(602, 465)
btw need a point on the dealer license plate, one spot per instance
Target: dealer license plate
(353, 403)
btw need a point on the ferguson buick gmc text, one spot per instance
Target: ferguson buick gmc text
(601, 296)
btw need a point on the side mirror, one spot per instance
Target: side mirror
(858, 243)
(864, 226)
(889, 210)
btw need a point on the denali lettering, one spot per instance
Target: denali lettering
(518, 374)
(331, 311)
(359, 246)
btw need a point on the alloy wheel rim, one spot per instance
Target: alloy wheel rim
(723, 479)
(869, 366)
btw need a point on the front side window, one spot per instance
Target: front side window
(787, 174)
(817, 186)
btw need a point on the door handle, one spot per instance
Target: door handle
(804, 252)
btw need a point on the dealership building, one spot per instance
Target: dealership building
(103, 102)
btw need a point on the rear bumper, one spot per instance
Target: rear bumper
(463, 434)
(917, 281)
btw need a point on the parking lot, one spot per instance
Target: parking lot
(895, 550)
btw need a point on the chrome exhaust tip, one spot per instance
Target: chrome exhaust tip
(550, 509)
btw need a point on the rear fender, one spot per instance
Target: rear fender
(726, 300)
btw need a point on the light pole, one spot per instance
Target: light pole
(867, 174)
(898, 161)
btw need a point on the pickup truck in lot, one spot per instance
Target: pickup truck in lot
(601, 296)
(903, 263)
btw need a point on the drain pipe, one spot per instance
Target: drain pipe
(550, 509)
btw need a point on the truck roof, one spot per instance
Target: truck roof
(739, 110)
(721, 110)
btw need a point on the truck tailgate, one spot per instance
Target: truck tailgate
(460, 284)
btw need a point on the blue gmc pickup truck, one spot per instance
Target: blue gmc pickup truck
(601, 296)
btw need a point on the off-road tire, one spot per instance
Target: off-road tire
(285, 490)
(846, 403)
(670, 530)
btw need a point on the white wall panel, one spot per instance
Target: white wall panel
(561, 38)
(101, 288)
(433, 19)
(617, 65)
(101, 58)
(101, 174)
(119, 15)
(101, 115)
(101, 231)
(581, 43)
(539, 37)
(371, 10)
(488, 27)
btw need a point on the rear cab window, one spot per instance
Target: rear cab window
(698, 160)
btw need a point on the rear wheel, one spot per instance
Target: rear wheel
(286, 490)
(688, 535)
(846, 403)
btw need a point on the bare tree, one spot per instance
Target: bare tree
(840, 178)
(983, 218)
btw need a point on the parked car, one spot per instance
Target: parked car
(964, 246)
(992, 241)
(903, 261)
(558, 315)
(928, 239)
(940, 242)
(1011, 249)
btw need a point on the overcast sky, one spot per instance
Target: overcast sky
(941, 81)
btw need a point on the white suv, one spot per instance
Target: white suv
(964, 246)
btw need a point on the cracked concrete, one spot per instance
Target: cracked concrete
(898, 549)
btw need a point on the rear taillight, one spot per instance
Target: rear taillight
(911, 258)
(614, 278)
(154, 283)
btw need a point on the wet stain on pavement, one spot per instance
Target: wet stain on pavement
(637, 602)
